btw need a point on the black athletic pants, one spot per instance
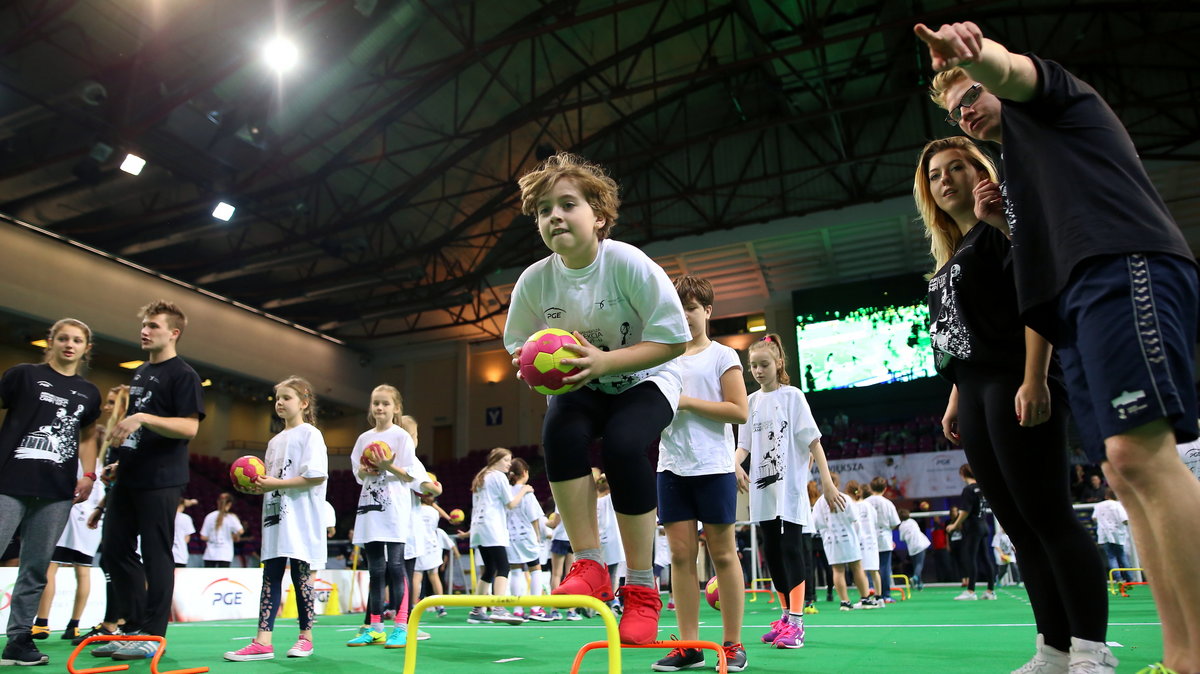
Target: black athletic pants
(144, 586)
(1024, 475)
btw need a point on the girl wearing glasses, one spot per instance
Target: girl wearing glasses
(1018, 456)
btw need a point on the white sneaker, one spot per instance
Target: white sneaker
(967, 595)
(1046, 660)
(1091, 657)
(989, 595)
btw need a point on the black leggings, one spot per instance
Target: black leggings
(819, 572)
(272, 593)
(974, 556)
(385, 562)
(1024, 475)
(629, 423)
(783, 546)
(495, 562)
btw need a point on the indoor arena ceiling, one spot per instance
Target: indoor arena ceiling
(375, 185)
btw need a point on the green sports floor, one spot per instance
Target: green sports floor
(928, 633)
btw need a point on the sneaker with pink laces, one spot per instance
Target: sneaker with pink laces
(251, 651)
(639, 622)
(590, 578)
(791, 636)
(776, 628)
(301, 649)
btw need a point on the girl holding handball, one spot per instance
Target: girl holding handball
(629, 323)
(297, 467)
(384, 515)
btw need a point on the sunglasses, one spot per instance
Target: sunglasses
(968, 99)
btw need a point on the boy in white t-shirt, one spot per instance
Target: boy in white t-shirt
(1112, 533)
(620, 306)
(697, 483)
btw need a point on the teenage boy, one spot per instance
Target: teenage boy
(697, 483)
(166, 405)
(1104, 273)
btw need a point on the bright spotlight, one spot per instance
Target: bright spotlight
(223, 211)
(133, 164)
(281, 54)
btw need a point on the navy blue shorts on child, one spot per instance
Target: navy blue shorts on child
(1128, 330)
(704, 498)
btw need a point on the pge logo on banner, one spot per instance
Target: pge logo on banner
(226, 592)
(321, 590)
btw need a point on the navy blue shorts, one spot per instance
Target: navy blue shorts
(711, 499)
(560, 547)
(1128, 331)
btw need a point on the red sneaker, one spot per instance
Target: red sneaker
(587, 577)
(639, 623)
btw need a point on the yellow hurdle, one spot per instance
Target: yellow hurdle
(906, 591)
(551, 600)
(1113, 585)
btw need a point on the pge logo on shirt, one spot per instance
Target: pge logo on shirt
(225, 592)
(554, 313)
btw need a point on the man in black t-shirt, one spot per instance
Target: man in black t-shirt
(1104, 273)
(166, 404)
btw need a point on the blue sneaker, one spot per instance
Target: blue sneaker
(368, 638)
(106, 649)
(398, 638)
(136, 650)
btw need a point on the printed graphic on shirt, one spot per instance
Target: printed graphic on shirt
(1010, 211)
(273, 506)
(375, 496)
(948, 333)
(139, 397)
(56, 442)
(771, 469)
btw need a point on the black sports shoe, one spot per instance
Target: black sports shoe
(735, 657)
(39, 632)
(69, 633)
(20, 651)
(680, 659)
(98, 630)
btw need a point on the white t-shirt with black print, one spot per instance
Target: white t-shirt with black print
(294, 519)
(384, 512)
(777, 434)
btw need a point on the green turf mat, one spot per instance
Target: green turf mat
(928, 633)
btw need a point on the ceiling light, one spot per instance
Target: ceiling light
(756, 323)
(40, 343)
(133, 164)
(206, 383)
(281, 54)
(131, 364)
(223, 211)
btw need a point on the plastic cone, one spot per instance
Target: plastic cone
(333, 605)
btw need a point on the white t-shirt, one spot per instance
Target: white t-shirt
(839, 531)
(489, 511)
(1190, 453)
(385, 502)
(560, 531)
(431, 557)
(622, 298)
(76, 535)
(414, 547)
(913, 537)
(693, 444)
(184, 528)
(293, 520)
(610, 534)
(886, 519)
(524, 521)
(220, 540)
(777, 434)
(867, 541)
(662, 548)
(1110, 519)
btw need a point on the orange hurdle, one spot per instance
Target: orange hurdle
(162, 644)
(722, 665)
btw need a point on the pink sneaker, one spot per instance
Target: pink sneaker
(776, 629)
(251, 651)
(792, 636)
(301, 649)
